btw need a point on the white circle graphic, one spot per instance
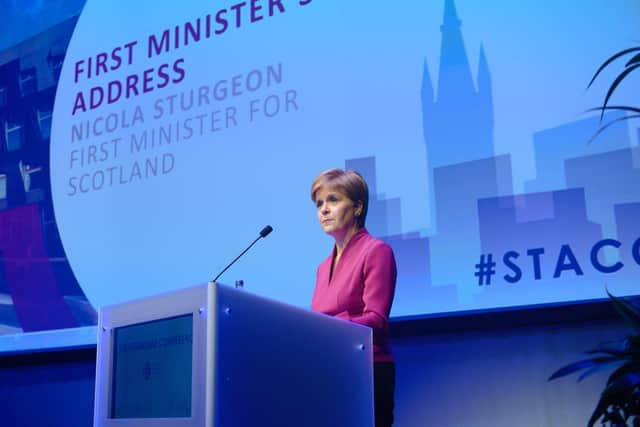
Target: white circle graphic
(179, 131)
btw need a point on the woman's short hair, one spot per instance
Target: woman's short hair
(349, 182)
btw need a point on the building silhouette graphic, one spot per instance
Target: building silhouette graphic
(457, 116)
(456, 112)
(553, 147)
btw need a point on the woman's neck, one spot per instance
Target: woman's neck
(342, 241)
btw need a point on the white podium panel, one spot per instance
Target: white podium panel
(279, 365)
(213, 355)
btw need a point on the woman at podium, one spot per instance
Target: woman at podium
(357, 281)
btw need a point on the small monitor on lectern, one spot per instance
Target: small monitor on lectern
(151, 367)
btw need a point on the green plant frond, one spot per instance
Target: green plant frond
(619, 344)
(601, 410)
(610, 60)
(614, 108)
(633, 343)
(589, 372)
(611, 123)
(628, 310)
(632, 379)
(583, 364)
(622, 354)
(634, 60)
(622, 387)
(614, 418)
(626, 369)
(625, 391)
(615, 84)
(615, 394)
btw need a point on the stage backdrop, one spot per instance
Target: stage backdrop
(144, 145)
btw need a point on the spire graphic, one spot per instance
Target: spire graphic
(427, 97)
(454, 78)
(485, 90)
(484, 78)
(457, 119)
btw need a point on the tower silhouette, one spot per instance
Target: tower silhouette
(457, 119)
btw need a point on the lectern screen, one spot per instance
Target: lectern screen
(151, 372)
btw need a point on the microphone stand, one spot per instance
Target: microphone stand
(263, 233)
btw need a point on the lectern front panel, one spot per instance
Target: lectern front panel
(280, 365)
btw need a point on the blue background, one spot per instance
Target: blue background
(473, 140)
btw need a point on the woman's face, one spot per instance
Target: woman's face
(337, 213)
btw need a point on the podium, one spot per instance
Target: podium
(216, 356)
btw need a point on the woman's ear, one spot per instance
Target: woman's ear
(358, 206)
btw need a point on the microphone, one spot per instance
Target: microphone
(263, 233)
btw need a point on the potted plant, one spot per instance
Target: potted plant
(619, 403)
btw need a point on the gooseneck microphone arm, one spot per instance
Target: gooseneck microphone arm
(263, 233)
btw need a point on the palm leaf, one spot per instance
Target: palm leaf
(601, 409)
(614, 108)
(629, 311)
(610, 60)
(611, 123)
(633, 60)
(622, 354)
(581, 365)
(589, 372)
(623, 370)
(618, 344)
(615, 84)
